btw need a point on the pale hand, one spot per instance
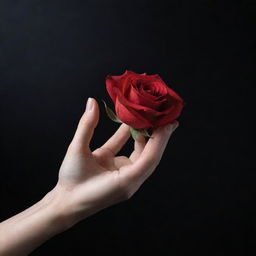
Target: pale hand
(90, 181)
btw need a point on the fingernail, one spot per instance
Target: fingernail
(89, 105)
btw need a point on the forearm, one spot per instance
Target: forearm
(24, 232)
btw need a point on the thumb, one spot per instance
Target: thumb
(86, 126)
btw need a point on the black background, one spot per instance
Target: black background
(54, 54)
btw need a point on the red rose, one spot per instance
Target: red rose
(143, 101)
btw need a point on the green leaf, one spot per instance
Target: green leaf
(111, 114)
(134, 133)
(144, 133)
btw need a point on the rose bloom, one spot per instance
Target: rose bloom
(143, 101)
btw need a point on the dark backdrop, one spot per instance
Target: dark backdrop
(56, 53)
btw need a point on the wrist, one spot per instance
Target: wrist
(63, 208)
(55, 207)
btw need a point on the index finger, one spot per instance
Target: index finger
(152, 153)
(118, 139)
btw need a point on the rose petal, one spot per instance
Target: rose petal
(171, 92)
(112, 87)
(146, 112)
(129, 116)
(114, 83)
(156, 87)
(130, 80)
(174, 113)
(143, 101)
(135, 96)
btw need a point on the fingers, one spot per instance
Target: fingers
(117, 141)
(152, 153)
(139, 145)
(86, 126)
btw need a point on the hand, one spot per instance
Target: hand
(90, 181)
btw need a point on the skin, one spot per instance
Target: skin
(88, 182)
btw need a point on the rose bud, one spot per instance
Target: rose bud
(142, 101)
